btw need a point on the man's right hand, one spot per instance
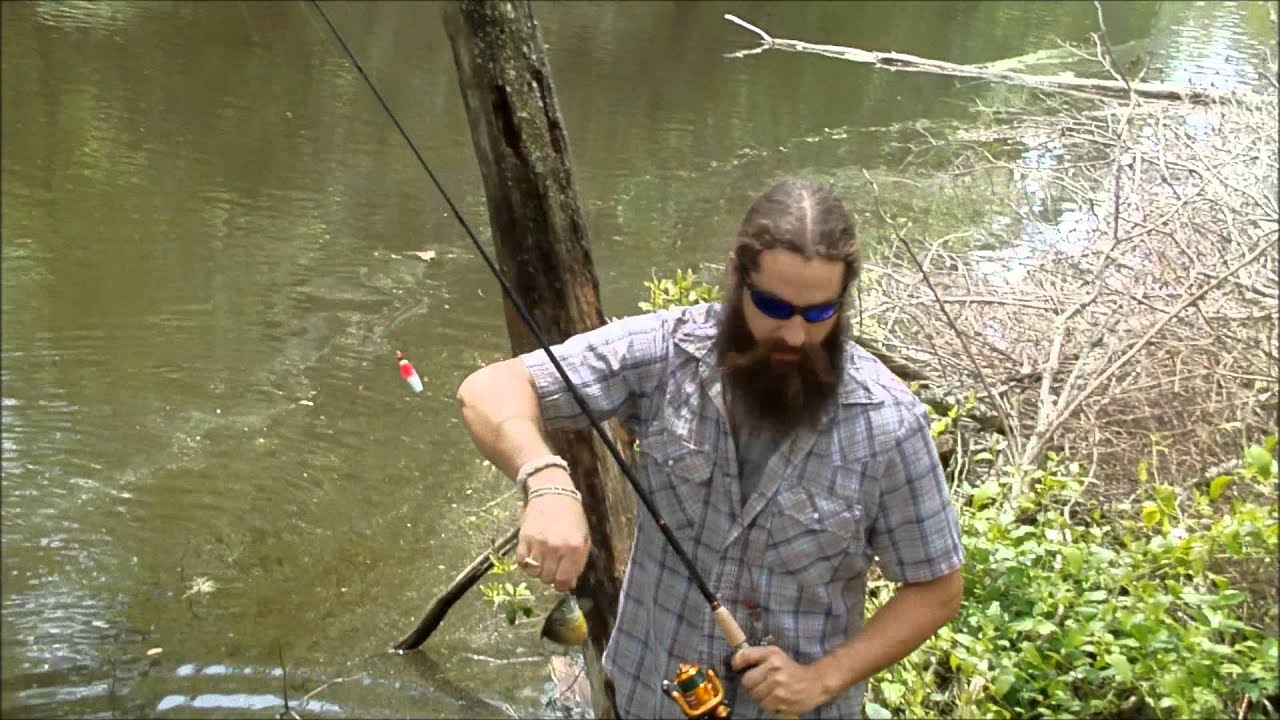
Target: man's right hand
(553, 534)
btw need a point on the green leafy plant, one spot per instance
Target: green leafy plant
(684, 289)
(1104, 611)
(513, 600)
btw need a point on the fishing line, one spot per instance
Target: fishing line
(710, 597)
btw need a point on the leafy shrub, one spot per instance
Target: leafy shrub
(513, 600)
(684, 289)
(1106, 609)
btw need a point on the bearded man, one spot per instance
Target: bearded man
(785, 458)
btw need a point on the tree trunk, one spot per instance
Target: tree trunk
(542, 249)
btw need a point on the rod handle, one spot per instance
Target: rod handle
(736, 638)
(729, 627)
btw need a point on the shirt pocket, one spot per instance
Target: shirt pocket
(816, 537)
(679, 480)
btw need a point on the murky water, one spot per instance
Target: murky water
(206, 448)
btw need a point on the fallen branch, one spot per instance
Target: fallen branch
(1113, 89)
(1049, 413)
(459, 587)
(306, 699)
(504, 661)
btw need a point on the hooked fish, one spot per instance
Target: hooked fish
(564, 632)
(565, 625)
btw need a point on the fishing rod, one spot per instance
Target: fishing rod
(699, 693)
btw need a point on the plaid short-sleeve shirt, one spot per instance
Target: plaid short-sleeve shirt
(864, 486)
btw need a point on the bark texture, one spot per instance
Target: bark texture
(542, 248)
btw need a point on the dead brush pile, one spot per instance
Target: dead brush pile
(1135, 319)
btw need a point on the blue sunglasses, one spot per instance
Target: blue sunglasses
(779, 309)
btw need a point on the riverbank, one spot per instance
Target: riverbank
(1129, 314)
(1121, 533)
(1119, 316)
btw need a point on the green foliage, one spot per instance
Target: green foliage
(684, 289)
(513, 600)
(941, 424)
(1072, 611)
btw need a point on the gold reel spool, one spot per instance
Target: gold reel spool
(698, 692)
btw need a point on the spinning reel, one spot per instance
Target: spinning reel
(698, 692)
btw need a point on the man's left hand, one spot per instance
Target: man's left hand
(777, 683)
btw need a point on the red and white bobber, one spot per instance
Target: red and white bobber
(408, 373)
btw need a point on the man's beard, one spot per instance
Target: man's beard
(782, 394)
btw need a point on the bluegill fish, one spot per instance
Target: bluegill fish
(566, 625)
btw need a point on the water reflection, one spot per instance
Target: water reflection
(85, 14)
(1206, 44)
(238, 702)
(204, 228)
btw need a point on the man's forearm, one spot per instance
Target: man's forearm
(912, 615)
(501, 411)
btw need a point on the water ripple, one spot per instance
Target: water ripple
(85, 14)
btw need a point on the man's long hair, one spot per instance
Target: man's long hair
(804, 217)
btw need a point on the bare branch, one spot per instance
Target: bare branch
(1065, 412)
(763, 35)
(1109, 60)
(991, 395)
